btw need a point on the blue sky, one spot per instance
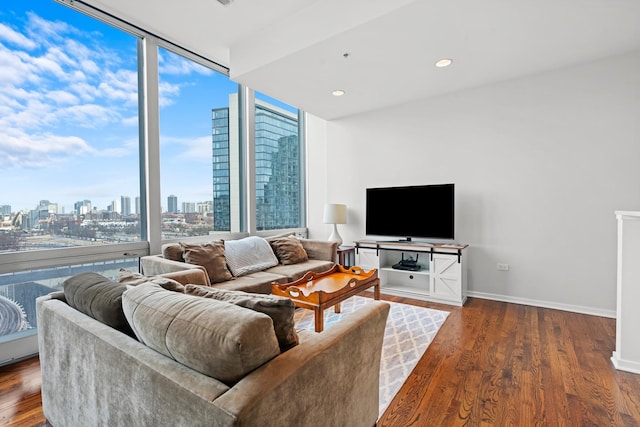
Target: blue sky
(69, 112)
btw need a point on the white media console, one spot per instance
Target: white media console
(441, 276)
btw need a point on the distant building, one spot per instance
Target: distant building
(115, 207)
(5, 209)
(172, 202)
(82, 208)
(204, 208)
(188, 207)
(125, 205)
(137, 205)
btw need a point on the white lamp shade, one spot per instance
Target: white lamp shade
(335, 214)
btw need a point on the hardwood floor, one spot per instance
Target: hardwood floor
(491, 363)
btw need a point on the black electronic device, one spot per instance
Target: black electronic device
(392, 211)
(407, 264)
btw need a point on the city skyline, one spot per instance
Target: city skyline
(64, 209)
(69, 116)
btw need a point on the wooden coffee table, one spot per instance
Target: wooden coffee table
(319, 291)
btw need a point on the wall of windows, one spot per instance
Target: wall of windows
(112, 142)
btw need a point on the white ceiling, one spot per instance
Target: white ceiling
(294, 50)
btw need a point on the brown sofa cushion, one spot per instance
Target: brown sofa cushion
(210, 256)
(213, 337)
(98, 297)
(288, 250)
(132, 278)
(279, 309)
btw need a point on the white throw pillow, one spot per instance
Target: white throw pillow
(248, 255)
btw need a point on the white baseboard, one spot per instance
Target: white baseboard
(545, 304)
(625, 365)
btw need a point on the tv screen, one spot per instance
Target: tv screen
(421, 211)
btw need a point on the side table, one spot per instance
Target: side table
(346, 256)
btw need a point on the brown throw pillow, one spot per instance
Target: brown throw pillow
(280, 309)
(173, 252)
(210, 256)
(132, 278)
(289, 250)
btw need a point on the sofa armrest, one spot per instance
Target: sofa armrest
(110, 379)
(320, 249)
(157, 265)
(331, 376)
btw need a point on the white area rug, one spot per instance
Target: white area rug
(409, 332)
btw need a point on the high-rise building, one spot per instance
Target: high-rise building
(278, 160)
(125, 205)
(221, 170)
(137, 205)
(82, 207)
(5, 210)
(172, 202)
(115, 207)
(188, 207)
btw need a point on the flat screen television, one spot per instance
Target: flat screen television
(420, 211)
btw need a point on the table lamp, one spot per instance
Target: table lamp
(335, 214)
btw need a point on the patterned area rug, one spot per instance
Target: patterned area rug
(409, 332)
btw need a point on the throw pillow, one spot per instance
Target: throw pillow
(209, 255)
(172, 251)
(131, 278)
(280, 309)
(249, 255)
(216, 338)
(289, 250)
(98, 297)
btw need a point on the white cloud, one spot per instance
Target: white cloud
(167, 91)
(13, 68)
(87, 115)
(38, 150)
(13, 37)
(62, 97)
(45, 31)
(197, 149)
(171, 63)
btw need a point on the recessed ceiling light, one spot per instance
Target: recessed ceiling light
(444, 62)
(337, 92)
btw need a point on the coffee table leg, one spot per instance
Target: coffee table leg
(337, 308)
(376, 291)
(319, 315)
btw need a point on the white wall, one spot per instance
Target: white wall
(540, 165)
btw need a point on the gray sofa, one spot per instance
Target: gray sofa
(95, 375)
(321, 256)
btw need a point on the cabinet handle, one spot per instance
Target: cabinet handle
(411, 276)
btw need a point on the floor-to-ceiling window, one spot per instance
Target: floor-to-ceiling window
(198, 150)
(278, 165)
(68, 153)
(106, 149)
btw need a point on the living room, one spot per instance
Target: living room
(540, 161)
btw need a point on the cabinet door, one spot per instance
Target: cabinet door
(446, 277)
(367, 259)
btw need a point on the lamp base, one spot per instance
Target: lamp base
(335, 236)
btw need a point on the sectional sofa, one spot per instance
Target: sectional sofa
(153, 354)
(248, 263)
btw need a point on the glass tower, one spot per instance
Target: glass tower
(278, 192)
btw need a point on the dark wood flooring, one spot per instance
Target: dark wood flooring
(491, 364)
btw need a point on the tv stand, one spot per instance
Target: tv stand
(440, 275)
